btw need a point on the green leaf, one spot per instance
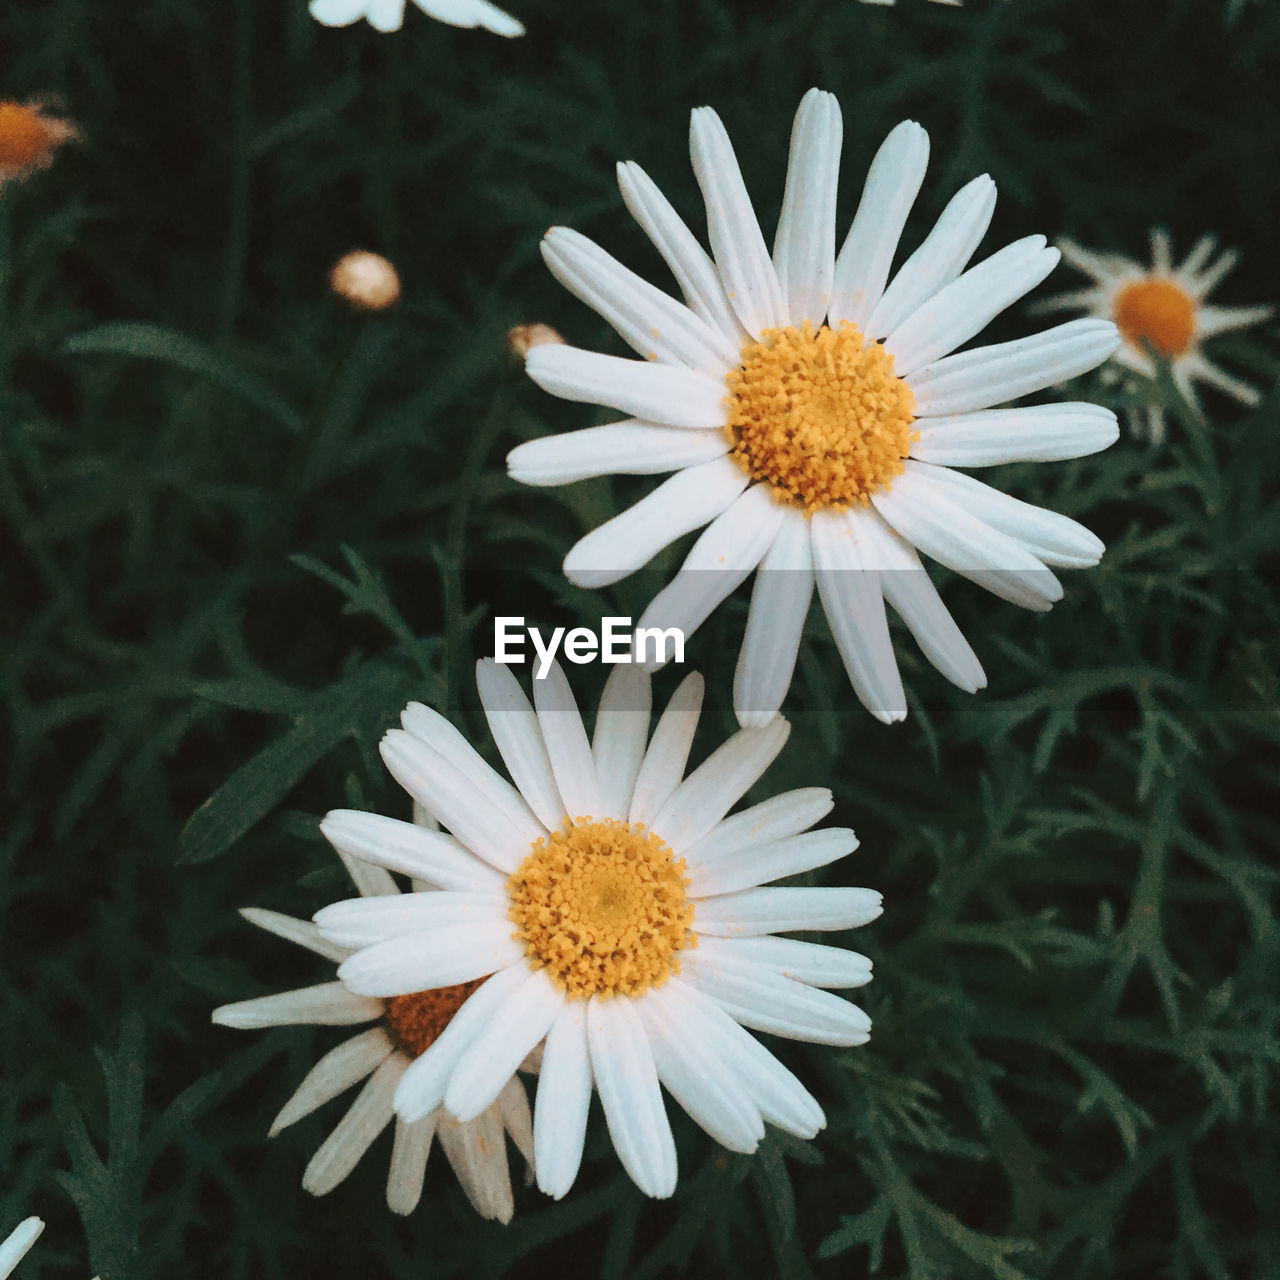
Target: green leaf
(262, 782)
(156, 342)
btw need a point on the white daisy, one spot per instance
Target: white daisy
(1162, 314)
(406, 1028)
(581, 924)
(388, 15)
(18, 1243)
(817, 452)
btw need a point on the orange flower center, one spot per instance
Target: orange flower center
(415, 1021)
(1158, 312)
(25, 136)
(819, 416)
(604, 907)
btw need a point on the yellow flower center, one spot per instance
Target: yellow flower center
(604, 907)
(819, 416)
(26, 136)
(1159, 312)
(415, 1021)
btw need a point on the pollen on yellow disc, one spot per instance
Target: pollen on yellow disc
(604, 907)
(820, 416)
(415, 1021)
(1157, 311)
(28, 137)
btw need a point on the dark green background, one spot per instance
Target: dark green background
(1075, 1002)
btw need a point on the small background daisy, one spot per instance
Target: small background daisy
(1164, 316)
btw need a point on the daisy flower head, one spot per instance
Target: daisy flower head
(812, 409)
(402, 1030)
(29, 139)
(1163, 314)
(18, 1244)
(388, 15)
(612, 908)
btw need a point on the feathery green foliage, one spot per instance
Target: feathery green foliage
(244, 526)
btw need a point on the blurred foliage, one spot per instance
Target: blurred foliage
(244, 526)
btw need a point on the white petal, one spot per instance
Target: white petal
(655, 325)
(686, 501)
(472, 13)
(628, 448)
(409, 848)
(1211, 320)
(757, 911)
(1197, 365)
(491, 1059)
(1052, 538)
(808, 962)
(943, 529)
(939, 259)
(621, 733)
(359, 922)
(370, 881)
(988, 376)
(689, 261)
(18, 1242)
(1200, 253)
(804, 248)
(328, 1005)
(303, 932)
(369, 1114)
(774, 819)
(514, 726)
(765, 862)
(1036, 433)
(335, 1073)
(567, 745)
(775, 623)
(409, 1152)
(627, 1080)
(424, 961)
(564, 1099)
(668, 751)
(852, 599)
(694, 1075)
(660, 393)
(517, 1119)
(736, 243)
(717, 784)
(1208, 279)
(385, 15)
(907, 588)
(337, 13)
(780, 1097)
(966, 306)
(482, 810)
(892, 183)
(718, 562)
(423, 1086)
(762, 999)
(477, 1151)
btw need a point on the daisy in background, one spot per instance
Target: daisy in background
(812, 410)
(1163, 314)
(614, 909)
(406, 1027)
(388, 15)
(18, 1243)
(29, 139)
